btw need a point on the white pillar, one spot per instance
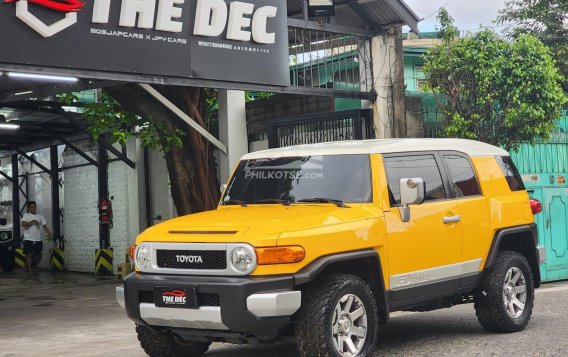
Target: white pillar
(232, 130)
(384, 57)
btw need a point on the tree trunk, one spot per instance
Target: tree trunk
(191, 168)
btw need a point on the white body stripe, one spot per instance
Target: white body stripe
(429, 276)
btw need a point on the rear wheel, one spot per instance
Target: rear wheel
(338, 318)
(505, 299)
(167, 344)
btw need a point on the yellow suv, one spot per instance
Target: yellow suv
(320, 243)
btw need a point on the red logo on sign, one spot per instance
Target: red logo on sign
(177, 293)
(65, 6)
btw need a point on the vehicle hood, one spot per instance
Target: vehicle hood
(259, 225)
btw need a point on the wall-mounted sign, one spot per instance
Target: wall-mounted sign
(242, 41)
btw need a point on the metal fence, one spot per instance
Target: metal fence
(322, 127)
(334, 61)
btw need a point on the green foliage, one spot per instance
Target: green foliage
(108, 116)
(545, 19)
(503, 93)
(67, 98)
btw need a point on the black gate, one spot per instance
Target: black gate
(321, 127)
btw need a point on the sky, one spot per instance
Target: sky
(467, 14)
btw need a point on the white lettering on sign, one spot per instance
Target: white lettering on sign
(174, 299)
(189, 259)
(210, 18)
(166, 12)
(238, 21)
(212, 15)
(143, 9)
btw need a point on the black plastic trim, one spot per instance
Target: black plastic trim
(531, 228)
(312, 270)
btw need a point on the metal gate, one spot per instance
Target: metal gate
(321, 127)
(544, 167)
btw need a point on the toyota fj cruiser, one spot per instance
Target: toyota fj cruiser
(322, 242)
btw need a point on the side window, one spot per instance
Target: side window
(423, 166)
(462, 176)
(511, 173)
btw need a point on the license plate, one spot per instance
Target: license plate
(185, 297)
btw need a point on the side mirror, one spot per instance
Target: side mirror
(412, 192)
(223, 187)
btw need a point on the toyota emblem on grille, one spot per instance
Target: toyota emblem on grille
(189, 259)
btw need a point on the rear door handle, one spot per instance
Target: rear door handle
(451, 219)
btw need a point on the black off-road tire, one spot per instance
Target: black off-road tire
(489, 298)
(7, 256)
(314, 336)
(167, 345)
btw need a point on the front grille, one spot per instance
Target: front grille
(188, 259)
(145, 296)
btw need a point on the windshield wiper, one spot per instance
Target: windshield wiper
(234, 202)
(273, 200)
(338, 203)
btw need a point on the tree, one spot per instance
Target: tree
(545, 19)
(500, 92)
(126, 110)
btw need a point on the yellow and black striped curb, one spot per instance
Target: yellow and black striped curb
(57, 260)
(103, 262)
(20, 257)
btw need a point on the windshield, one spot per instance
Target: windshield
(345, 178)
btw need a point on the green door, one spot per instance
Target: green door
(555, 232)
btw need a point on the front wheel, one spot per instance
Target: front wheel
(505, 299)
(338, 318)
(166, 344)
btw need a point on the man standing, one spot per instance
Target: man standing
(33, 246)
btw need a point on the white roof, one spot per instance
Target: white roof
(381, 146)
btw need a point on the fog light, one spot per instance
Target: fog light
(4, 236)
(142, 258)
(243, 260)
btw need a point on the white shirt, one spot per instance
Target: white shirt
(33, 233)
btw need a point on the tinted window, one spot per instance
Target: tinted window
(462, 176)
(341, 177)
(511, 173)
(423, 166)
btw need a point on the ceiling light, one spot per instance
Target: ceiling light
(42, 76)
(23, 93)
(9, 126)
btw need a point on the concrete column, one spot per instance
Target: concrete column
(388, 112)
(232, 130)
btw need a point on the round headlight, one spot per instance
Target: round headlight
(142, 257)
(242, 260)
(4, 236)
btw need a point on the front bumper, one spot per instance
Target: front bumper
(541, 250)
(246, 305)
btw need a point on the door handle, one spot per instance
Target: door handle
(452, 219)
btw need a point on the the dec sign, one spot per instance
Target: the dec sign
(210, 18)
(149, 40)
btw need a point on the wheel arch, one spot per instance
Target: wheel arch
(363, 264)
(521, 239)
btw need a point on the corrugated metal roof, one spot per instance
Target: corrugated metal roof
(384, 13)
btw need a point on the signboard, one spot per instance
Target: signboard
(224, 40)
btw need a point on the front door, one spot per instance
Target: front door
(424, 254)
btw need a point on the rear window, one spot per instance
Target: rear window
(511, 173)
